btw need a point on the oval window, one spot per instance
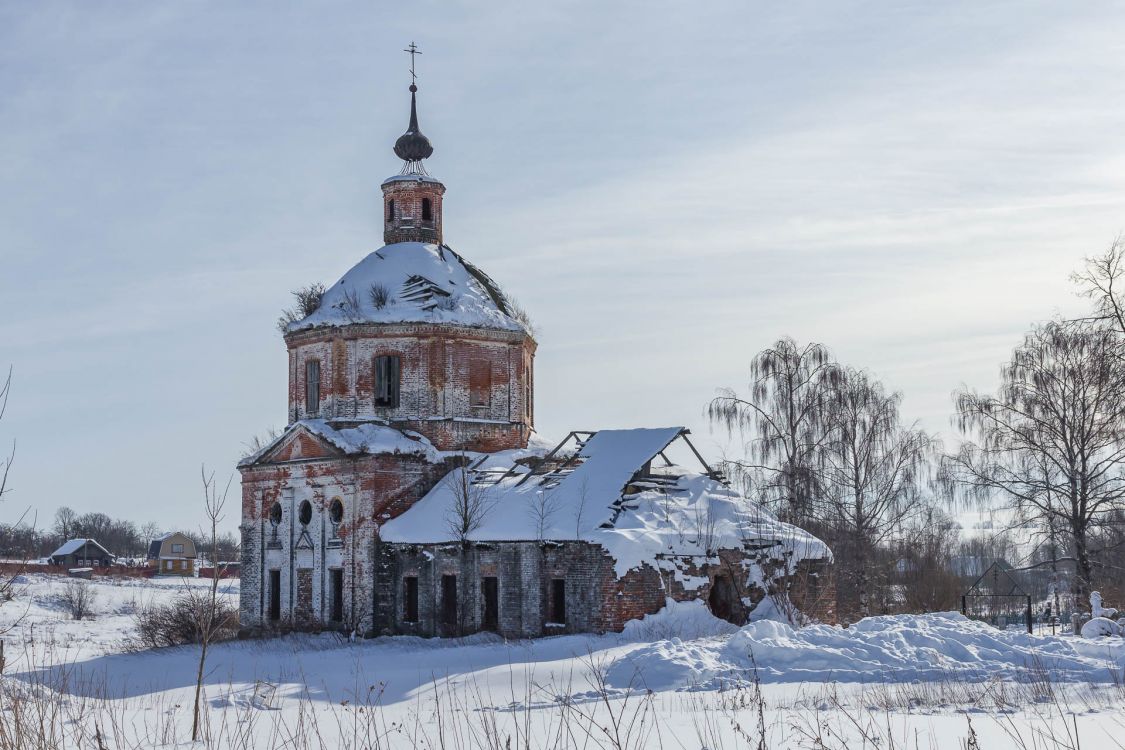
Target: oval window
(304, 514)
(275, 514)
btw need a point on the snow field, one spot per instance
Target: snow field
(677, 679)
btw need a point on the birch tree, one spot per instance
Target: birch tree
(1049, 444)
(873, 470)
(782, 423)
(469, 503)
(1103, 281)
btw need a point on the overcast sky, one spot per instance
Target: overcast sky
(666, 187)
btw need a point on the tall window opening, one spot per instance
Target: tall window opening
(387, 374)
(427, 211)
(336, 586)
(336, 515)
(480, 382)
(558, 601)
(490, 594)
(312, 386)
(410, 599)
(391, 210)
(275, 595)
(449, 600)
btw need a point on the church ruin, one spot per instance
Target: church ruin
(409, 493)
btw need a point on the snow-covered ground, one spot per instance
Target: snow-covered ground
(679, 679)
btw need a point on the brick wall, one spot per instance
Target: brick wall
(407, 223)
(371, 489)
(596, 600)
(436, 380)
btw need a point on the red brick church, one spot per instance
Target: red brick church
(408, 493)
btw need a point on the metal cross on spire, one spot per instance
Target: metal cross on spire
(413, 50)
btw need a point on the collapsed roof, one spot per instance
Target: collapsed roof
(610, 489)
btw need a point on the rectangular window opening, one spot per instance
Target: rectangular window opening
(448, 600)
(480, 382)
(490, 595)
(275, 595)
(558, 601)
(312, 386)
(387, 376)
(410, 599)
(336, 585)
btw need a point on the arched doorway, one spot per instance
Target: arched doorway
(723, 601)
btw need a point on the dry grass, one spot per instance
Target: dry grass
(577, 710)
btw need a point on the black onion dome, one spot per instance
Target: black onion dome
(412, 145)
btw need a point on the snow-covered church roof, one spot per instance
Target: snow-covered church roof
(353, 438)
(610, 492)
(413, 282)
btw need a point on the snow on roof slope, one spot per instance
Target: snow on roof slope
(74, 545)
(426, 283)
(370, 438)
(696, 515)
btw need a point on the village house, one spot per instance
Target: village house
(410, 494)
(81, 553)
(172, 554)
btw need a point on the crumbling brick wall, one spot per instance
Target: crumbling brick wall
(371, 489)
(596, 600)
(437, 384)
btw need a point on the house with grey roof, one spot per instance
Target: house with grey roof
(82, 553)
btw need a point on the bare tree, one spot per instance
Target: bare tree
(873, 468)
(469, 503)
(379, 295)
(1049, 445)
(6, 462)
(8, 582)
(78, 598)
(65, 521)
(308, 299)
(924, 555)
(151, 531)
(782, 422)
(350, 305)
(257, 442)
(543, 506)
(1103, 281)
(211, 618)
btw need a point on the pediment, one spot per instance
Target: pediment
(299, 445)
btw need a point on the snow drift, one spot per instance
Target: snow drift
(895, 648)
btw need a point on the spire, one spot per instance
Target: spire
(412, 147)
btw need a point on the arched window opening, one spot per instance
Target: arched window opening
(336, 513)
(391, 210)
(304, 513)
(427, 212)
